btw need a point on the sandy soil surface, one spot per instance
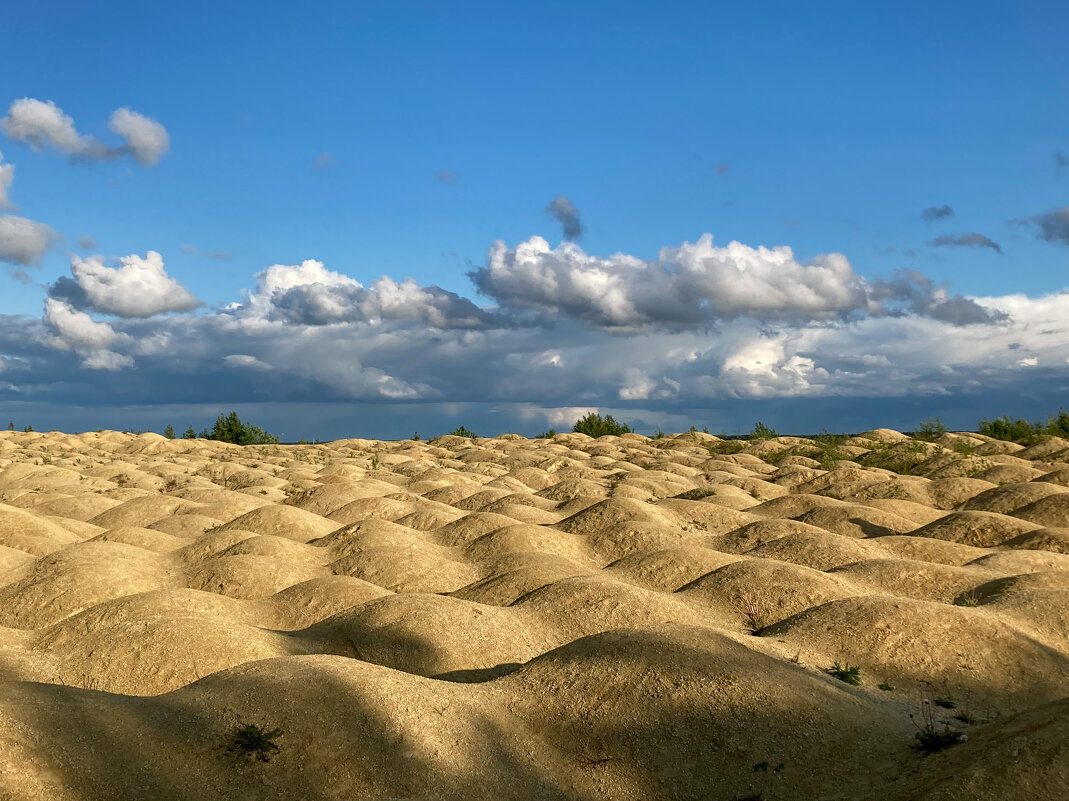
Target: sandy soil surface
(621, 618)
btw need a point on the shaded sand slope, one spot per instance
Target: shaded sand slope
(624, 618)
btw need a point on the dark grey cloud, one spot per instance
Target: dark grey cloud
(933, 213)
(447, 177)
(972, 240)
(321, 304)
(87, 243)
(1053, 226)
(912, 292)
(565, 212)
(1061, 160)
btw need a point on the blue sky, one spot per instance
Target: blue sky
(405, 139)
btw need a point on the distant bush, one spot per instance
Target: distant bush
(461, 431)
(930, 430)
(658, 434)
(169, 431)
(1023, 432)
(761, 431)
(190, 433)
(230, 428)
(594, 425)
(550, 434)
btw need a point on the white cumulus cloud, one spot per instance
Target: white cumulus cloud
(140, 287)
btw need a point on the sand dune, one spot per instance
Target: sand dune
(625, 618)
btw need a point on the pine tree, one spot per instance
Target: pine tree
(169, 431)
(190, 433)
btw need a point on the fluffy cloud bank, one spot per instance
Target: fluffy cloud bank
(698, 284)
(310, 294)
(699, 323)
(41, 124)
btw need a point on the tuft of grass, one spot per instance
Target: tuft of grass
(887, 688)
(970, 598)
(749, 605)
(254, 743)
(945, 703)
(851, 674)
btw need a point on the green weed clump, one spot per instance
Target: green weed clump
(851, 674)
(461, 431)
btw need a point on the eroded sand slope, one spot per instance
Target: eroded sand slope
(532, 619)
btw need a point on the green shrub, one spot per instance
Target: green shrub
(550, 434)
(594, 425)
(230, 428)
(930, 430)
(169, 431)
(725, 446)
(828, 453)
(761, 431)
(462, 431)
(1058, 425)
(1005, 428)
(190, 433)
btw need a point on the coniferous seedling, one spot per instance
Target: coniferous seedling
(851, 674)
(254, 743)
